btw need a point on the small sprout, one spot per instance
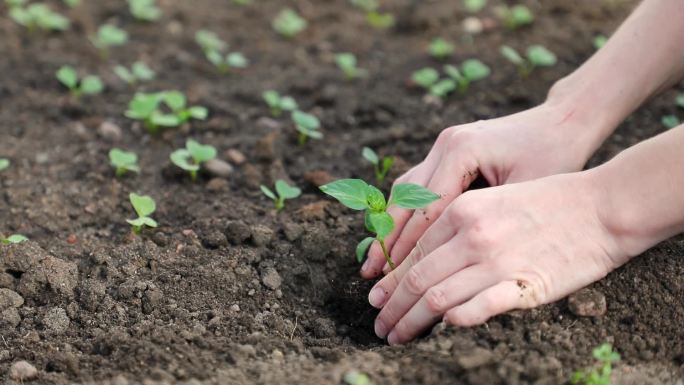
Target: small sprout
(72, 3)
(282, 192)
(375, 18)
(670, 121)
(144, 206)
(242, 2)
(516, 16)
(599, 41)
(88, 85)
(537, 56)
(109, 36)
(358, 195)
(37, 16)
(474, 6)
(381, 165)
(227, 62)
(144, 10)
(123, 161)
(347, 63)
(138, 72)
(147, 107)
(354, 377)
(279, 103)
(307, 125)
(288, 23)
(14, 238)
(209, 41)
(4, 164)
(471, 70)
(601, 372)
(680, 100)
(440, 49)
(425, 77)
(192, 156)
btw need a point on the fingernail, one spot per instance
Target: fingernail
(376, 297)
(364, 267)
(380, 328)
(392, 338)
(386, 269)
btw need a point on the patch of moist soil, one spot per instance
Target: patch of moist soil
(226, 291)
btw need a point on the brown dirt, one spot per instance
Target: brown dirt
(198, 300)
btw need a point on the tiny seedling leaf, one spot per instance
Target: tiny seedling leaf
(540, 56)
(142, 204)
(181, 158)
(4, 164)
(200, 152)
(370, 155)
(411, 196)
(350, 192)
(474, 70)
(14, 238)
(288, 23)
(474, 6)
(268, 192)
(425, 77)
(511, 55)
(382, 223)
(670, 121)
(91, 85)
(67, 76)
(362, 248)
(285, 191)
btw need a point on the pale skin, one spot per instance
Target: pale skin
(546, 229)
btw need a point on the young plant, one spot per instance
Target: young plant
(192, 156)
(147, 107)
(37, 16)
(72, 3)
(279, 103)
(144, 206)
(600, 373)
(474, 6)
(282, 192)
(288, 23)
(440, 49)
(144, 10)
(209, 41)
(109, 36)
(374, 17)
(307, 125)
(516, 16)
(428, 78)
(347, 63)
(123, 161)
(471, 70)
(381, 165)
(88, 85)
(537, 56)
(4, 164)
(599, 41)
(14, 238)
(138, 72)
(670, 121)
(214, 47)
(358, 195)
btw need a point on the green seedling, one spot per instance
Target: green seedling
(600, 373)
(144, 206)
(680, 100)
(192, 156)
(537, 56)
(474, 6)
(209, 41)
(123, 161)
(288, 23)
(599, 41)
(440, 49)
(354, 377)
(307, 125)
(109, 36)
(88, 85)
(148, 108)
(347, 63)
(72, 3)
(282, 192)
(374, 17)
(428, 79)
(4, 164)
(279, 103)
(14, 238)
(214, 47)
(15, 3)
(516, 16)
(37, 16)
(358, 195)
(670, 121)
(139, 72)
(243, 2)
(144, 10)
(381, 165)
(471, 70)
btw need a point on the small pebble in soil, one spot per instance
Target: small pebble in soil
(292, 231)
(218, 168)
(235, 156)
(587, 303)
(10, 318)
(324, 328)
(217, 184)
(237, 232)
(474, 358)
(271, 279)
(261, 235)
(23, 371)
(109, 131)
(235, 308)
(10, 298)
(56, 320)
(472, 25)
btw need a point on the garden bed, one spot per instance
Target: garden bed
(226, 290)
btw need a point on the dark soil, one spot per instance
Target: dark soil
(226, 291)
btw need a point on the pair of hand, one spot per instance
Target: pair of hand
(473, 255)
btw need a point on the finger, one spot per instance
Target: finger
(428, 272)
(443, 230)
(453, 175)
(497, 299)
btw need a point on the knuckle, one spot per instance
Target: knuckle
(478, 237)
(403, 330)
(460, 138)
(454, 317)
(415, 282)
(435, 300)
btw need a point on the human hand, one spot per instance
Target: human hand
(542, 141)
(493, 250)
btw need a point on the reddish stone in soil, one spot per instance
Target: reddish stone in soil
(71, 239)
(587, 303)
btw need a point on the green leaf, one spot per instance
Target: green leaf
(110, 35)
(382, 223)
(350, 192)
(425, 77)
(14, 238)
(198, 112)
(124, 74)
(287, 103)
(272, 98)
(164, 120)
(200, 152)
(474, 70)
(181, 158)
(670, 121)
(4, 164)
(362, 248)
(91, 85)
(680, 100)
(143, 205)
(474, 6)
(174, 99)
(307, 121)
(387, 163)
(441, 48)
(124, 159)
(443, 87)
(540, 56)
(143, 105)
(288, 23)
(380, 20)
(142, 221)
(599, 41)
(511, 55)
(209, 41)
(237, 60)
(285, 191)
(267, 191)
(67, 76)
(375, 198)
(520, 15)
(370, 155)
(411, 196)
(142, 71)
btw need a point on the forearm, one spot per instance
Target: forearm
(643, 57)
(640, 193)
